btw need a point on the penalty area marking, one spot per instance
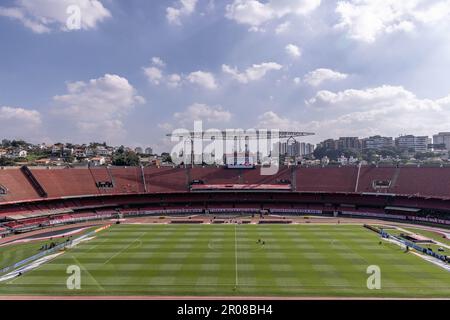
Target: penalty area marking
(123, 249)
(88, 273)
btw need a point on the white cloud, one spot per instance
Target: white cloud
(174, 80)
(383, 110)
(204, 79)
(173, 15)
(283, 27)
(157, 61)
(98, 107)
(251, 12)
(165, 126)
(203, 112)
(182, 8)
(293, 50)
(379, 96)
(234, 72)
(318, 76)
(253, 73)
(19, 123)
(154, 75)
(366, 20)
(43, 16)
(31, 117)
(271, 120)
(255, 13)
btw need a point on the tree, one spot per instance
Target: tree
(69, 159)
(166, 157)
(18, 143)
(332, 154)
(424, 155)
(351, 153)
(370, 155)
(6, 143)
(320, 152)
(125, 158)
(5, 162)
(94, 145)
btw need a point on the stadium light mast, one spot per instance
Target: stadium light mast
(232, 134)
(235, 134)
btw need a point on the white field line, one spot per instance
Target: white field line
(13, 275)
(435, 241)
(433, 260)
(125, 248)
(441, 244)
(44, 238)
(96, 245)
(36, 264)
(235, 254)
(88, 273)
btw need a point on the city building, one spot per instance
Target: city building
(98, 161)
(57, 148)
(14, 154)
(296, 149)
(89, 152)
(442, 138)
(21, 154)
(343, 143)
(79, 153)
(349, 143)
(378, 142)
(102, 151)
(329, 144)
(413, 143)
(347, 161)
(42, 162)
(148, 151)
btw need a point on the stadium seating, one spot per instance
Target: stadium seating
(127, 180)
(165, 179)
(369, 175)
(82, 182)
(16, 185)
(424, 181)
(327, 179)
(94, 193)
(66, 182)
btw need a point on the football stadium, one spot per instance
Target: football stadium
(218, 232)
(225, 157)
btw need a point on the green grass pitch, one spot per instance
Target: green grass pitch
(226, 260)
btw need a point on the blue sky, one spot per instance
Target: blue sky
(131, 71)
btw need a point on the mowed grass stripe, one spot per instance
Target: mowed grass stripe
(297, 260)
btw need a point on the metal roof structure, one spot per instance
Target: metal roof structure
(233, 134)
